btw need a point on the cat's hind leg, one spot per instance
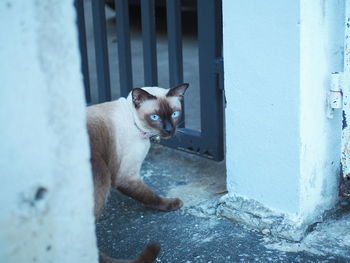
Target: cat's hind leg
(102, 184)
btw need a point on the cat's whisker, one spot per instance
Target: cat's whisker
(180, 123)
(179, 131)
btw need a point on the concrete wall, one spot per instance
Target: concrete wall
(46, 187)
(281, 149)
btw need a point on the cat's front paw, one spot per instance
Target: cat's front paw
(170, 204)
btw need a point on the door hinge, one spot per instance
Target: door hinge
(219, 70)
(335, 96)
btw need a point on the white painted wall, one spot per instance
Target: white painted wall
(281, 149)
(261, 55)
(43, 141)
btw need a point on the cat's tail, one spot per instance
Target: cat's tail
(148, 255)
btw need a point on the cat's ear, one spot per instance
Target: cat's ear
(178, 91)
(140, 95)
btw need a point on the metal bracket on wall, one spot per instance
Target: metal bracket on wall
(335, 95)
(219, 69)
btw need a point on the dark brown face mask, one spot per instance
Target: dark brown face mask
(165, 118)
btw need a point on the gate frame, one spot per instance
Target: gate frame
(209, 141)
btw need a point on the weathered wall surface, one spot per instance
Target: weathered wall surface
(282, 150)
(46, 188)
(321, 45)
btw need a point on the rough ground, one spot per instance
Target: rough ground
(194, 233)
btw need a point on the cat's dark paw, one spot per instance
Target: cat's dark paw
(172, 204)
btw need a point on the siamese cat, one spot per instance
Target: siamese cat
(119, 133)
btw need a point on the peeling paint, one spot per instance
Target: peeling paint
(344, 189)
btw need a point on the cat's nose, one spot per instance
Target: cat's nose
(168, 127)
(169, 130)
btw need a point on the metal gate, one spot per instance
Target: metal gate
(209, 141)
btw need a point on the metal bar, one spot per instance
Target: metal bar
(173, 8)
(101, 50)
(149, 42)
(212, 118)
(124, 49)
(174, 42)
(79, 4)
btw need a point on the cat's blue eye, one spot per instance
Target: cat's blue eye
(175, 114)
(154, 117)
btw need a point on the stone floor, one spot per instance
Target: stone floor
(195, 233)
